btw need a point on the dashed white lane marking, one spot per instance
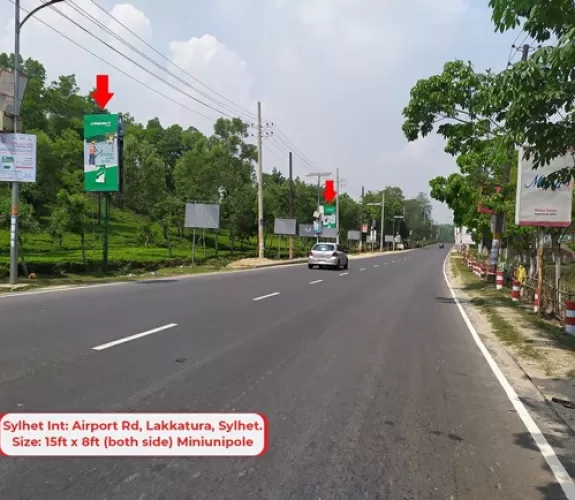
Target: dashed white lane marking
(343, 274)
(386, 263)
(133, 337)
(393, 262)
(376, 265)
(362, 269)
(266, 296)
(314, 282)
(545, 448)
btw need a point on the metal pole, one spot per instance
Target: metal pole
(393, 236)
(261, 248)
(15, 185)
(337, 205)
(382, 221)
(105, 242)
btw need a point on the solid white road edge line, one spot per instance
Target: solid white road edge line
(133, 337)
(343, 274)
(545, 448)
(266, 296)
(314, 282)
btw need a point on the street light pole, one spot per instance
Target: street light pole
(15, 185)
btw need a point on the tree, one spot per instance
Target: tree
(536, 97)
(74, 211)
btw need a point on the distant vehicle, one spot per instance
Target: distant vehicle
(327, 255)
(441, 245)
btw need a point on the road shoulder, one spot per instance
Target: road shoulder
(532, 354)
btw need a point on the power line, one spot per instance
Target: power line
(115, 67)
(122, 40)
(143, 68)
(248, 113)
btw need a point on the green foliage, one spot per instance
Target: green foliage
(165, 167)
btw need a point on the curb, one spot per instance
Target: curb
(280, 263)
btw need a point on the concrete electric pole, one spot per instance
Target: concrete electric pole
(291, 202)
(261, 248)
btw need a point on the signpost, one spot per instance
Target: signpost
(102, 163)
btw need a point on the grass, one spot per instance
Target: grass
(492, 302)
(54, 262)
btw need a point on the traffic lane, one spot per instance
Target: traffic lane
(301, 359)
(88, 380)
(61, 325)
(46, 329)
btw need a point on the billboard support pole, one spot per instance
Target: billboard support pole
(193, 246)
(105, 242)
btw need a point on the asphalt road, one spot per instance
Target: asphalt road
(371, 383)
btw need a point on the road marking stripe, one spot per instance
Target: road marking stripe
(314, 282)
(343, 274)
(545, 448)
(133, 337)
(266, 296)
(376, 265)
(362, 269)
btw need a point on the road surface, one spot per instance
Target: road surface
(370, 380)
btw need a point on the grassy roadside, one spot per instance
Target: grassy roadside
(507, 319)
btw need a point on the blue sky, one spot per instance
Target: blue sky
(333, 75)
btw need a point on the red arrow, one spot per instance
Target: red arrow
(329, 192)
(102, 94)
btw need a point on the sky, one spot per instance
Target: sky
(332, 75)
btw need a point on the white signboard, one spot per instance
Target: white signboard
(538, 207)
(17, 157)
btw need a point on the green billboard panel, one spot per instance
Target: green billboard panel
(329, 216)
(101, 166)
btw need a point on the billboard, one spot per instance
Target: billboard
(18, 157)
(353, 235)
(101, 165)
(202, 215)
(285, 227)
(538, 207)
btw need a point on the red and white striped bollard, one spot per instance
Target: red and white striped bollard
(499, 280)
(570, 317)
(516, 291)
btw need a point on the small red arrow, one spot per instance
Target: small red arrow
(329, 192)
(102, 94)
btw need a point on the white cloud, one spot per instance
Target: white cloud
(204, 57)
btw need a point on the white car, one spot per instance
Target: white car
(327, 255)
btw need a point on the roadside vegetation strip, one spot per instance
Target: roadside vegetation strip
(501, 312)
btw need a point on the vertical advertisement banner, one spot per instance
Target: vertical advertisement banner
(539, 207)
(329, 216)
(101, 166)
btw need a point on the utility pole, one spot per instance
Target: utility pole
(381, 237)
(291, 201)
(337, 238)
(15, 186)
(361, 219)
(319, 175)
(261, 248)
(14, 238)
